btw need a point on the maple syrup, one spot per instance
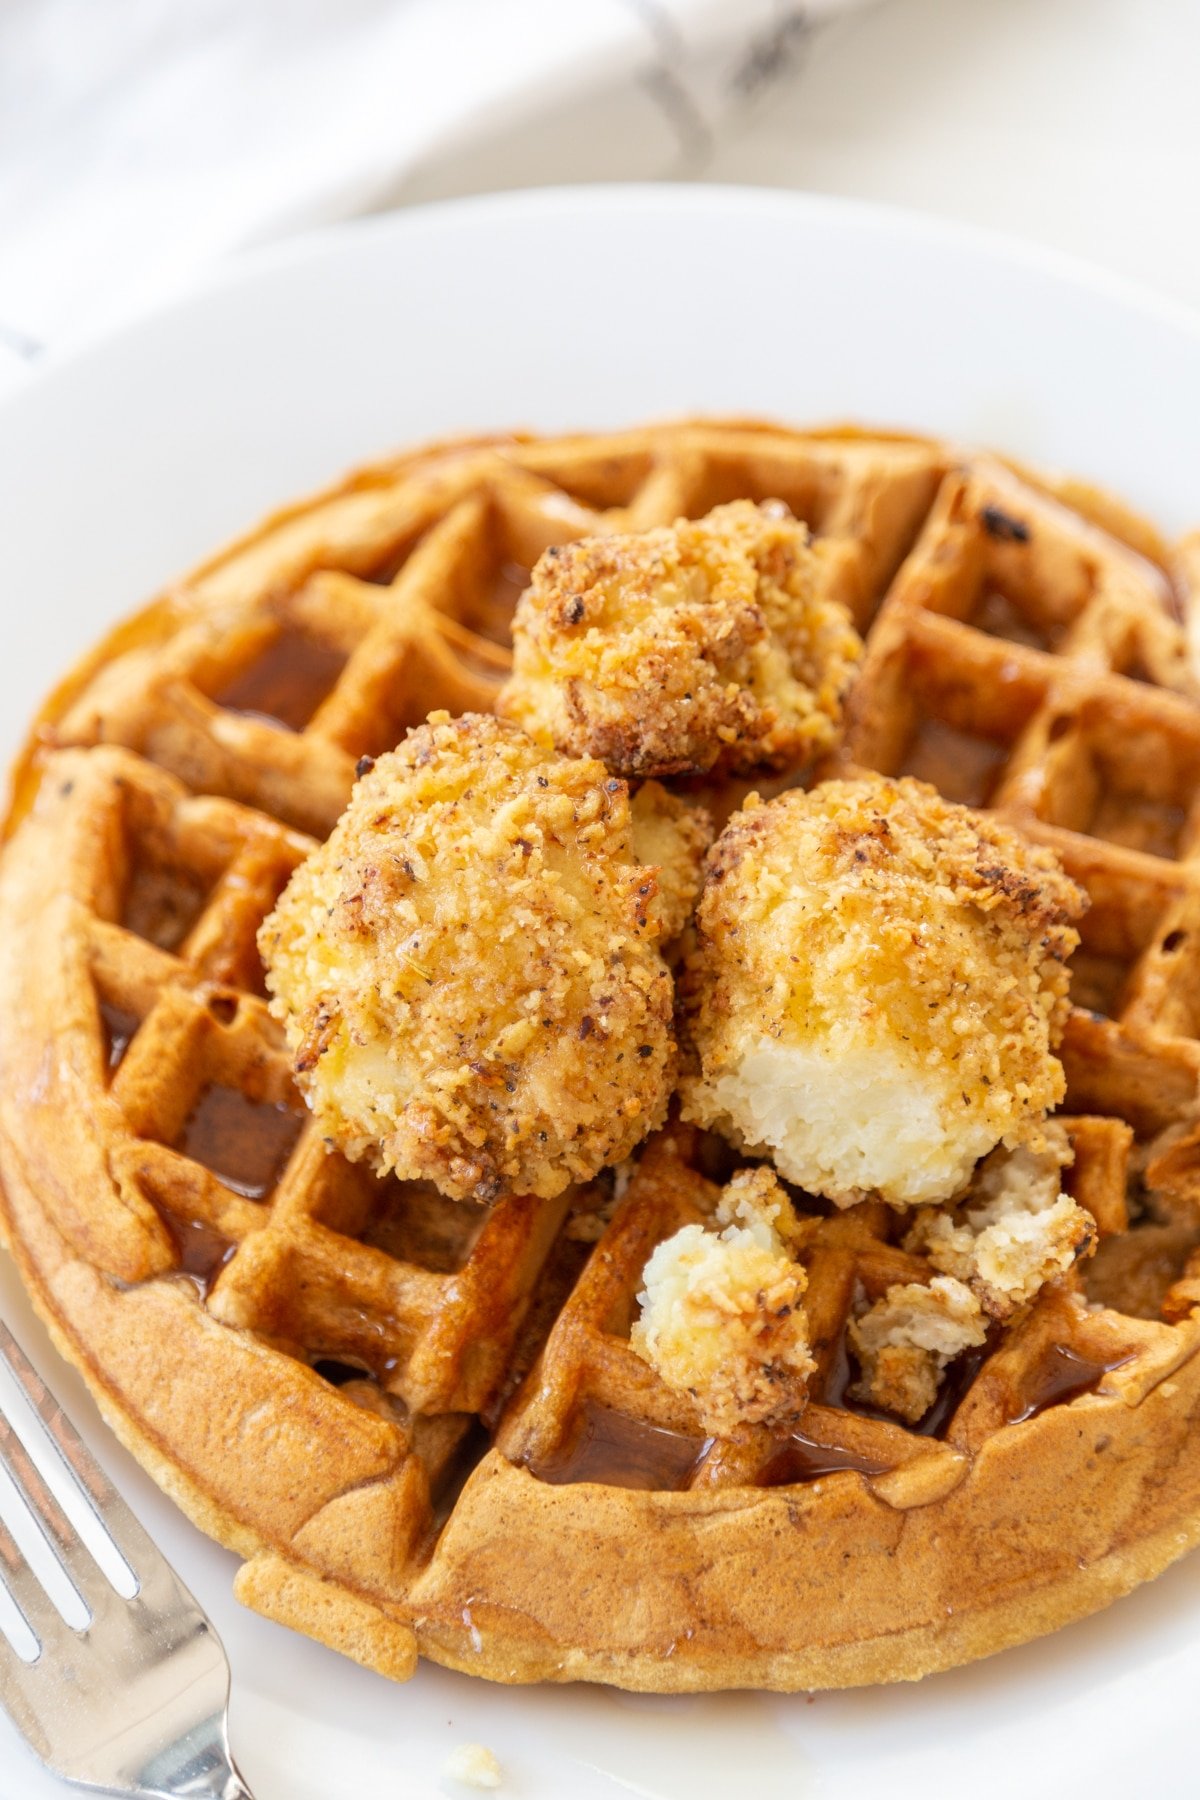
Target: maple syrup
(338, 1373)
(1097, 982)
(116, 1028)
(959, 766)
(999, 617)
(161, 905)
(411, 1221)
(1136, 823)
(203, 1252)
(1059, 1376)
(608, 1446)
(287, 683)
(450, 1480)
(490, 614)
(245, 1143)
(803, 1459)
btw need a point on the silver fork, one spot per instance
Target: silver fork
(135, 1701)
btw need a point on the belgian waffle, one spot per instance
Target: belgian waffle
(421, 1424)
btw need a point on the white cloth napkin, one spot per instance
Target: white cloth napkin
(143, 140)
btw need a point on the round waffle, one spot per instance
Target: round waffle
(420, 1423)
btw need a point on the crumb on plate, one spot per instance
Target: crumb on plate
(474, 1765)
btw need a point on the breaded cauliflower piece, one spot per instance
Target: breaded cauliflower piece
(672, 836)
(904, 1342)
(878, 988)
(1014, 1231)
(700, 644)
(721, 1314)
(468, 970)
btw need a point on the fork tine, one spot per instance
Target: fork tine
(76, 1461)
(37, 1608)
(61, 1536)
(30, 1699)
(22, 1696)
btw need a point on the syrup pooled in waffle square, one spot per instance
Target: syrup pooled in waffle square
(315, 1360)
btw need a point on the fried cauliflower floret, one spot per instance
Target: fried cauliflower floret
(904, 1342)
(700, 644)
(1015, 1230)
(673, 837)
(468, 970)
(721, 1314)
(877, 989)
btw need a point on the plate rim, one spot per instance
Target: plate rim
(244, 267)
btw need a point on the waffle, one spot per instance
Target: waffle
(420, 1424)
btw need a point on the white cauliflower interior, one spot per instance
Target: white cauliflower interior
(849, 1119)
(721, 1313)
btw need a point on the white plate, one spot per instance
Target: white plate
(124, 464)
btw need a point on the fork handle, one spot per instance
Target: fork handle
(204, 1768)
(222, 1783)
(234, 1788)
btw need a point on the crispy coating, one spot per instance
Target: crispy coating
(1014, 1231)
(699, 645)
(877, 989)
(721, 1314)
(904, 1342)
(468, 969)
(673, 836)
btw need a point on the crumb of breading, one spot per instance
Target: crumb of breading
(702, 644)
(721, 1314)
(593, 1206)
(474, 1765)
(904, 1342)
(1014, 1230)
(672, 836)
(588, 1227)
(468, 970)
(877, 988)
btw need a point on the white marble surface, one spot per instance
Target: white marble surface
(1075, 123)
